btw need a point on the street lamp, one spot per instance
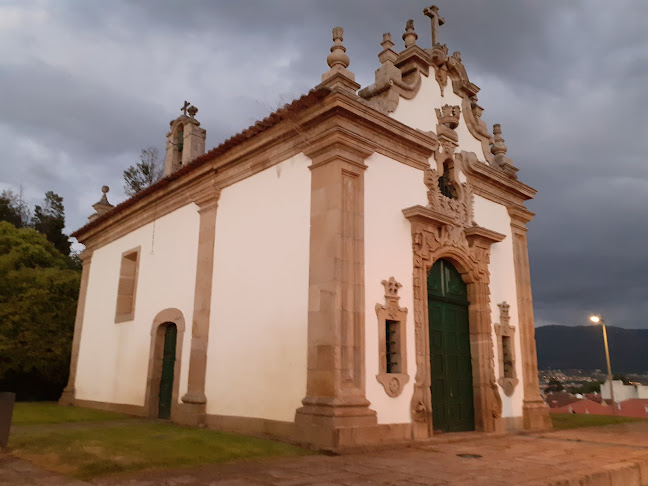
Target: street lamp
(596, 320)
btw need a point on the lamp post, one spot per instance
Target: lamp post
(597, 320)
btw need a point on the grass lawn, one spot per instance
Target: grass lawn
(89, 449)
(562, 421)
(31, 413)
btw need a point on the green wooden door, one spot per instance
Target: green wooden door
(450, 363)
(166, 380)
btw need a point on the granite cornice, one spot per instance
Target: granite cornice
(174, 196)
(383, 133)
(494, 184)
(294, 134)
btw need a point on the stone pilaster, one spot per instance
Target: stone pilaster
(68, 396)
(195, 401)
(335, 390)
(485, 393)
(534, 410)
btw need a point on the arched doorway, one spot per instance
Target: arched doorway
(162, 385)
(451, 385)
(165, 395)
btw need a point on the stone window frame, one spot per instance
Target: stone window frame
(505, 330)
(393, 383)
(121, 314)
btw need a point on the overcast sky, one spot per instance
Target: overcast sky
(86, 84)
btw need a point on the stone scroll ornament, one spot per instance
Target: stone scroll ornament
(392, 320)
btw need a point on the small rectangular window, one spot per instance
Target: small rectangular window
(392, 346)
(127, 285)
(507, 357)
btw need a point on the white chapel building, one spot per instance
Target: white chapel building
(351, 270)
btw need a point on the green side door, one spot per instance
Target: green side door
(166, 380)
(450, 363)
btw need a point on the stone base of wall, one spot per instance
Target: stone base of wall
(339, 440)
(273, 429)
(510, 424)
(536, 416)
(125, 408)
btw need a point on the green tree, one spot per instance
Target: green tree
(49, 219)
(554, 386)
(591, 387)
(13, 209)
(38, 296)
(145, 173)
(621, 377)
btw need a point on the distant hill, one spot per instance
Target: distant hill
(567, 347)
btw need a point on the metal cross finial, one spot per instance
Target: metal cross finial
(185, 107)
(437, 20)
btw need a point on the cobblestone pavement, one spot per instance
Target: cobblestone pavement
(613, 455)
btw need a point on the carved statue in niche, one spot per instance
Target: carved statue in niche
(459, 208)
(506, 350)
(392, 337)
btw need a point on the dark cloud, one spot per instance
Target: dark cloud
(86, 85)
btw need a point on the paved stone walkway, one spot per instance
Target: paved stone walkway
(613, 455)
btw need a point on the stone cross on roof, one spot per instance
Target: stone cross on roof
(437, 21)
(185, 107)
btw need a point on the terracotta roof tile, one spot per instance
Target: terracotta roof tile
(300, 104)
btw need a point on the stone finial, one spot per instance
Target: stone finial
(338, 76)
(504, 310)
(410, 36)
(387, 54)
(391, 288)
(498, 147)
(338, 57)
(102, 206)
(192, 111)
(437, 21)
(448, 116)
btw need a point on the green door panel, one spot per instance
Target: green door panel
(450, 362)
(166, 380)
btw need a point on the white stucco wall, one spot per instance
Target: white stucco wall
(256, 365)
(419, 112)
(114, 357)
(388, 252)
(390, 187)
(623, 392)
(502, 288)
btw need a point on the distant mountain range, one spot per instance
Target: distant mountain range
(581, 347)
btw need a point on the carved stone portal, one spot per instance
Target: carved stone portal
(392, 337)
(506, 350)
(445, 229)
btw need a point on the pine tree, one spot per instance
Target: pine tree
(49, 219)
(145, 173)
(13, 209)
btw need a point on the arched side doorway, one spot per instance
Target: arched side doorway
(450, 362)
(162, 387)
